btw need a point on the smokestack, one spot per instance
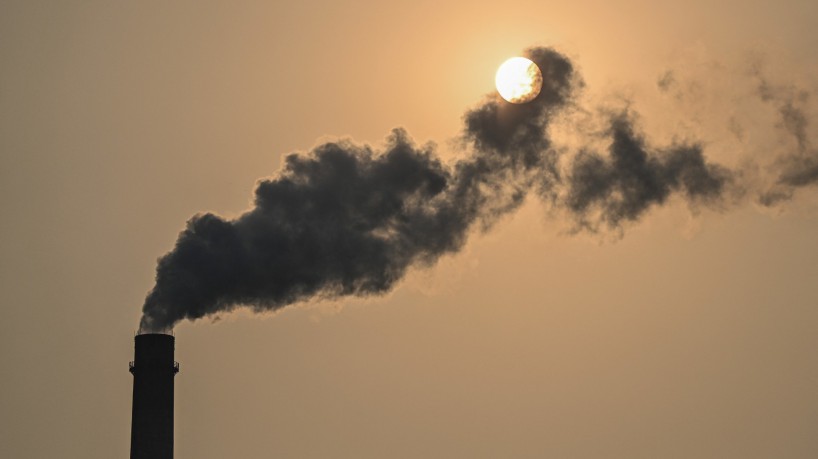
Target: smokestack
(153, 370)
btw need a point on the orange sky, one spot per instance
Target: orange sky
(693, 335)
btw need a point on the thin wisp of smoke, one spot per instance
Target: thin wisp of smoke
(345, 219)
(771, 108)
(798, 167)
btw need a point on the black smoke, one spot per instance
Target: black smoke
(342, 220)
(345, 219)
(632, 177)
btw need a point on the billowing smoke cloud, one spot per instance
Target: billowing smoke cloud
(631, 178)
(345, 219)
(342, 220)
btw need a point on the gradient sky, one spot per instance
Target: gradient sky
(693, 335)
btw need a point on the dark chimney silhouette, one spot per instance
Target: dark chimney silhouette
(153, 371)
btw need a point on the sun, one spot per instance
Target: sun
(518, 80)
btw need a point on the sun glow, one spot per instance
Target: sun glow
(518, 80)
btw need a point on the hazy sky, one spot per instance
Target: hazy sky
(690, 334)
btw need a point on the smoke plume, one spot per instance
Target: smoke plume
(631, 178)
(345, 219)
(798, 166)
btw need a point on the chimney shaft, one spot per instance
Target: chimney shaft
(153, 370)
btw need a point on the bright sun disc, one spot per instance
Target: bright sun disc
(518, 80)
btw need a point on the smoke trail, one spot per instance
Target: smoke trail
(623, 186)
(781, 157)
(345, 219)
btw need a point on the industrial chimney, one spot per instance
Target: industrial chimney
(153, 370)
